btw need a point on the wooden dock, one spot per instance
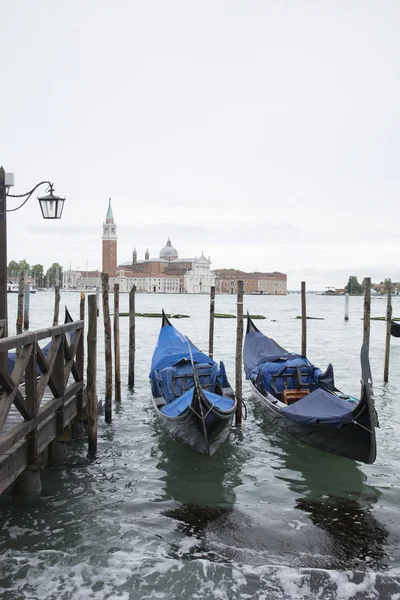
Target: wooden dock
(40, 396)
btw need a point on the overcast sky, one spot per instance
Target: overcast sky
(265, 133)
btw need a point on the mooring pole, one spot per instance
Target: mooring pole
(211, 331)
(117, 355)
(239, 353)
(346, 306)
(303, 319)
(107, 348)
(91, 395)
(132, 333)
(388, 325)
(82, 307)
(56, 304)
(98, 299)
(20, 311)
(367, 311)
(26, 305)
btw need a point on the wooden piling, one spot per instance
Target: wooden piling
(91, 395)
(27, 298)
(82, 307)
(98, 299)
(117, 356)
(20, 310)
(107, 348)
(132, 333)
(211, 330)
(346, 306)
(239, 353)
(367, 311)
(303, 319)
(388, 325)
(56, 305)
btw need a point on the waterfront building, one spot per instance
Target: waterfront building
(254, 283)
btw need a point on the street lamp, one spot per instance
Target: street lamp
(51, 207)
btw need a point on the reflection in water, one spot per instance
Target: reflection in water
(202, 486)
(335, 496)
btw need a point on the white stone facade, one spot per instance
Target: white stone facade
(200, 278)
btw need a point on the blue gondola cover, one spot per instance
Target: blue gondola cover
(178, 406)
(172, 347)
(320, 407)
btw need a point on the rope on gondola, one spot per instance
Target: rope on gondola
(363, 426)
(243, 404)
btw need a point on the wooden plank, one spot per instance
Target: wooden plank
(117, 355)
(15, 435)
(17, 341)
(48, 378)
(91, 375)
(69, 354)
(8, 397)
(12, 464)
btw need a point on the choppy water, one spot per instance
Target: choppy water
(265, 518)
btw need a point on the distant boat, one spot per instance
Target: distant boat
(12, 288)
(190, 391)
(306, 401)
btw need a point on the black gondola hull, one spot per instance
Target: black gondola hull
(202, 426)
(354, 441)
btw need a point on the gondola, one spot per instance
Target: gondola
(307, 403)
(190, 392)
(395, 329)
(45, 349)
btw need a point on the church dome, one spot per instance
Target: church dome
(168, 252)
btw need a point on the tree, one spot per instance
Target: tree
(353, 287)
(388, 286)
(37, 272)
(54, 275)
(23, 267)
(12, 269)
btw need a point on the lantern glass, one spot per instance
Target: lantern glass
(51, 206)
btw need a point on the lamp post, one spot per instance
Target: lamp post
(51, 207)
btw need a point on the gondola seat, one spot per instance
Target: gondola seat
(175, 381)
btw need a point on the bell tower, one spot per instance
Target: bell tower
(109, 241)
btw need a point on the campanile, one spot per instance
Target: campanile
(109, 241)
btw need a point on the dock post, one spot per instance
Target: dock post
(26, 305)
(56, 304)
(346, 306)
(239, 353)
(132, 341)
(303, 319)
(98, 299)
(82, 307)
(20, 311)
(388, 325)
(107, 348)
(91, 375)
(367, 311)
(81, 413)
(211, 330)
(117, 355)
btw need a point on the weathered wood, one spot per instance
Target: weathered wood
(80, 356)
(211, 329)
(132, 341)
(27, 299)
(91, 374)
(47, 377)
(20, 310)
(388, 325)
(56, 305)
(31, 397)
(107, 349)
(367, 311)
(57, 375)
(303, 319)
(98, 299)
(346, 306)
(70, 351)
(117, 356)
(17, 374)
(82, 307)
(239, 352)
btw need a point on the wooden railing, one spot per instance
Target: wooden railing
(46, 389)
